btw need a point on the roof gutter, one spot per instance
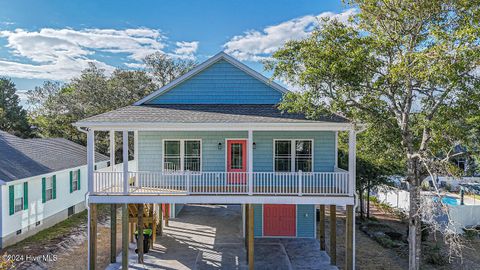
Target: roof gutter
(80, 128)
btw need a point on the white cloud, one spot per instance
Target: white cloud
(60, 54)
(256, 45)
(186, 49)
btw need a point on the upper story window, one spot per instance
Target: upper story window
(293, 155)
(182, 155)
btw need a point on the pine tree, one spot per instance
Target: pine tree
(13, 118)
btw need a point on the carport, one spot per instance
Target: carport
(210, 237)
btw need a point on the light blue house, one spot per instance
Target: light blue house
(215, 135)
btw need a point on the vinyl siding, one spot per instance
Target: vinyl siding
(305, 220)
(178, 208)
(221, 83)
(213, 160)
(150, 148)
(258, 220)
(323, 144)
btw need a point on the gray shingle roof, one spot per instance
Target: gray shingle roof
(206, 113)
(22, 158)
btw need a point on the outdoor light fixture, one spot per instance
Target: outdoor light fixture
(254, 145)
(219, 146)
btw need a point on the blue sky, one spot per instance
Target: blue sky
(55, 40)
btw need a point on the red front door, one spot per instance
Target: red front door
(237, 161)
(279, 220)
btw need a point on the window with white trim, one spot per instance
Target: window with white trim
(18, 198)
(48, 188)
(75, 180)
(182, 155)
(293, 155)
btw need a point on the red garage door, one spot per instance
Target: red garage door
(279, 220)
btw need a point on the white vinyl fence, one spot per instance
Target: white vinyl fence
(394, 197)
(461, 215)
(464, 216)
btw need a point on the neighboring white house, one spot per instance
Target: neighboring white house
(42, 182)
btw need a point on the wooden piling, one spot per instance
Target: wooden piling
(113, 233)
(349, 227)
(333, 234)
(251, 239)
(125, 239)
(321, 227)
(140, 233)
(93, 236)
(167, 214)
(160, 222)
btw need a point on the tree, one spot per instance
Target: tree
(409, 66)
(13, 118)
(55, 106)
(165, 69)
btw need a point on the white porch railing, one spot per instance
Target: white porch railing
(227, 183)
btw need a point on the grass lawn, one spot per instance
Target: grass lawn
(58, 239)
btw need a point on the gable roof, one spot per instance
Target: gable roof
(23, 158)
(219, 56)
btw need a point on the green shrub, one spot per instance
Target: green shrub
(435, 256)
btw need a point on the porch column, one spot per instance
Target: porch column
(333, 234)
(92, 254)
(351, 161)
(90, 158)
(125, 162)
(112, 150)
(251, 239)
(349, 239)
(92, 226)
(135, 150)
(250, 162)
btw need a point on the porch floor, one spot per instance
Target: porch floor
(210, 237)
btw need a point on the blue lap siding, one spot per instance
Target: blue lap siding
(305, 221)
(221, 83)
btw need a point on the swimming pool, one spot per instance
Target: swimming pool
(448, 200)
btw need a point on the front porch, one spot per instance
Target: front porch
(108, 183)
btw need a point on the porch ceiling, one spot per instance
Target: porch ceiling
(219, 114)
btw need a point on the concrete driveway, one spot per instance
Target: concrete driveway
(210, 237)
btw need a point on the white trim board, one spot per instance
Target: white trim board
(293, 153)
(219, 56)
(156, 126)
(182, 153)
(222, 199)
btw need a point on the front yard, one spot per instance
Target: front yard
(67, 240)
(65, 244)
(375, 251)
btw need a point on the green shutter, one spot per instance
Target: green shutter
(25, 195)
(44, 190)
(54, 187)
(11, 197)
(78, 180)
(71, 181)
